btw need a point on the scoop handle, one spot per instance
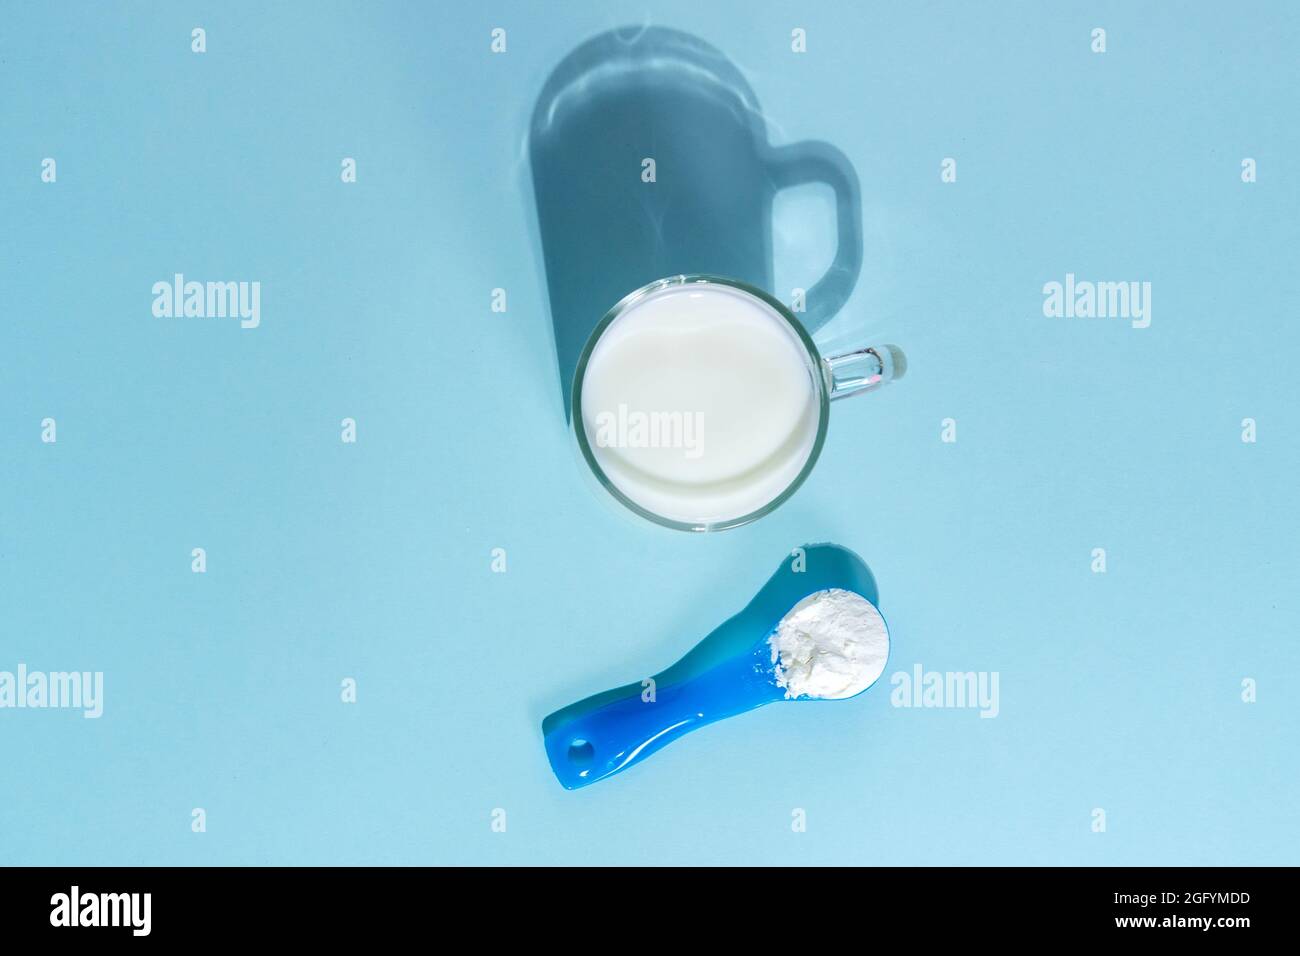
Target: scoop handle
(605, 734)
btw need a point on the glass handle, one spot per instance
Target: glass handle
(863, 370)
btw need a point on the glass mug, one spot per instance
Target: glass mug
(701, 403)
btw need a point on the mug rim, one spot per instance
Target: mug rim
(819, 381)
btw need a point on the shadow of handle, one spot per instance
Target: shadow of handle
(816, 162)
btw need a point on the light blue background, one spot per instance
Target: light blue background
(326, 560)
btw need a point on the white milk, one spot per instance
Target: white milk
(699, 403)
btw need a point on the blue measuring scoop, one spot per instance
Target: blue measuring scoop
(729, 672)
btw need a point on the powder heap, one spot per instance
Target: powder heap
(831, 644)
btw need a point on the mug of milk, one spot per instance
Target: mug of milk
(701, 403)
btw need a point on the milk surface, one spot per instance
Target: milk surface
(699, 403)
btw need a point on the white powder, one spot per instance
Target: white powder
(831, 644)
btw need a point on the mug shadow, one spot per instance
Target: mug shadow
(650, 158)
